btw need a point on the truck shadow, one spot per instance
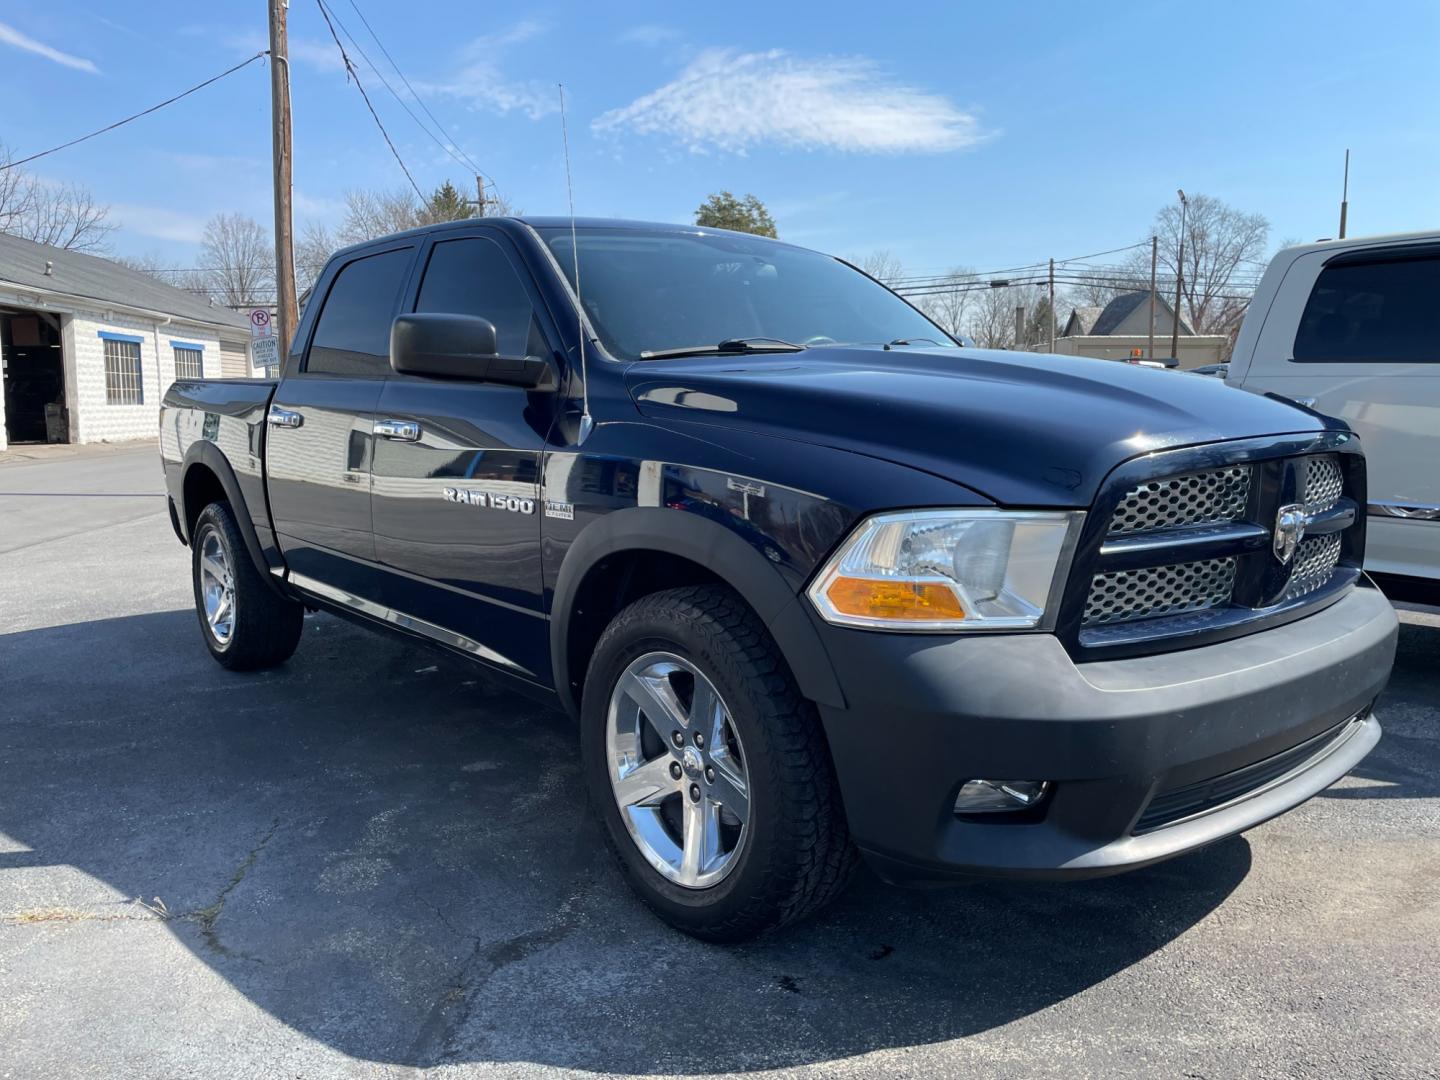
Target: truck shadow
(396, 860)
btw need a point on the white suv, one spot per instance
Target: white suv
(1351, 328)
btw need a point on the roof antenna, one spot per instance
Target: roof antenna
(586, 421)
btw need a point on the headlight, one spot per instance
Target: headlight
(947, 570)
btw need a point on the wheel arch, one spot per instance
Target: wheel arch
(205, 472)
(715, 553)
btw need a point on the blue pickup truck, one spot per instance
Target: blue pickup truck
(817, 583)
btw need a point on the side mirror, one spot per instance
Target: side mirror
(449, 346)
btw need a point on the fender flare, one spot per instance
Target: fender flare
(208, 455)
(702, 541)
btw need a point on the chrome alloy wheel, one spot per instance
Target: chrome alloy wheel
(217, 587)
(677, 770)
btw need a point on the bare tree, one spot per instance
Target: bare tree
(150, 263)
(371, 214)
(992, 319)
(882, 265)
(949, 302)
(317, 243)
(1222, 247)
(992, 316)
(62, 215)
(239, 260)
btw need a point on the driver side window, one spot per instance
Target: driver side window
(472, 276)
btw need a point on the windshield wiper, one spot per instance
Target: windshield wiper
(911, 341)
(729, 345)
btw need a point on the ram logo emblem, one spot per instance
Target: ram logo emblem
(1290, 525)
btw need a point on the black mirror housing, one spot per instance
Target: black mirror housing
(449, 346)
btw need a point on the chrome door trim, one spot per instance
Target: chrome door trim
(1406, 510)
(278, 417)
(406, 622)
(399, 430)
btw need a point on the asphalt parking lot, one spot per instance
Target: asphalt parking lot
(368, 863)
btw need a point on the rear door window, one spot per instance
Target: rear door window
(1379, 311)
(352, 335)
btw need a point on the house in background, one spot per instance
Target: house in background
(1121, 331)
(88, 347)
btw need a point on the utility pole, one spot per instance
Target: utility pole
(1345, 196)
(1052, 305)
(479, 195)
(1154, 258)
(1019, 326)
(287, 310)
(1179, 277)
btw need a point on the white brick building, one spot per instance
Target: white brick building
(88, 347)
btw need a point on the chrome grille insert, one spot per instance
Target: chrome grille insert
(1176, 502)
(1152, 591)
(1323, 483)
(1315, 562)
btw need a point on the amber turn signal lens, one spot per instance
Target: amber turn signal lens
(877, 599)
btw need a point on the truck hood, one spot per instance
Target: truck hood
(1022, 429)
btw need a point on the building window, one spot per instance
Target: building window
(189, 362)
(122, 373)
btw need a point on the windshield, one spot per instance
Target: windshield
(649, 292)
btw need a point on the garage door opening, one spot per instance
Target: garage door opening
(34, 378)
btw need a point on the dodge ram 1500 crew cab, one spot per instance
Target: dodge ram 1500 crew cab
(816, 582)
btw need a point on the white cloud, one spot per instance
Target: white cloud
(10, 36)
(514, 34)
(317, 206)
(321, 55)
(482, 84)
(649, 34)
(732, 101)
(159, 222)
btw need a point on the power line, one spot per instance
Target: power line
(452, 141)
(352, 73)
(396, 94)
(136, 116)
(1023, 267)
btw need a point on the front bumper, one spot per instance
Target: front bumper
(927, 713)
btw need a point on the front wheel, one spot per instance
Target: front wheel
(245, 624)
(710, 770)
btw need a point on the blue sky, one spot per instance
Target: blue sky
(960, 133)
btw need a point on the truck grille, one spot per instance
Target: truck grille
(1159, 590)
(1323, 482)
(1183, 552)
(1193, 499)
(1315, 561)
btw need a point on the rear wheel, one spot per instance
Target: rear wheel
(709, 769)
(246, 625)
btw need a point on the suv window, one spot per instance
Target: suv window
(1378, 312)
(352, 336)
(472, 276)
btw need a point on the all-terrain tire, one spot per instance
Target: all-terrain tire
(264, 627)
(798, 854)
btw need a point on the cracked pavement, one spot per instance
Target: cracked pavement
(369, 862)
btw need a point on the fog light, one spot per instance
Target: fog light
(997, 796)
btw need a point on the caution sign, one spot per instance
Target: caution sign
(264, 353)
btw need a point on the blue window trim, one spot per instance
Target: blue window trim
(186, 345)
(108, 336)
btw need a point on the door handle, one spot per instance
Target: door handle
(399, 430)
(278, 417)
